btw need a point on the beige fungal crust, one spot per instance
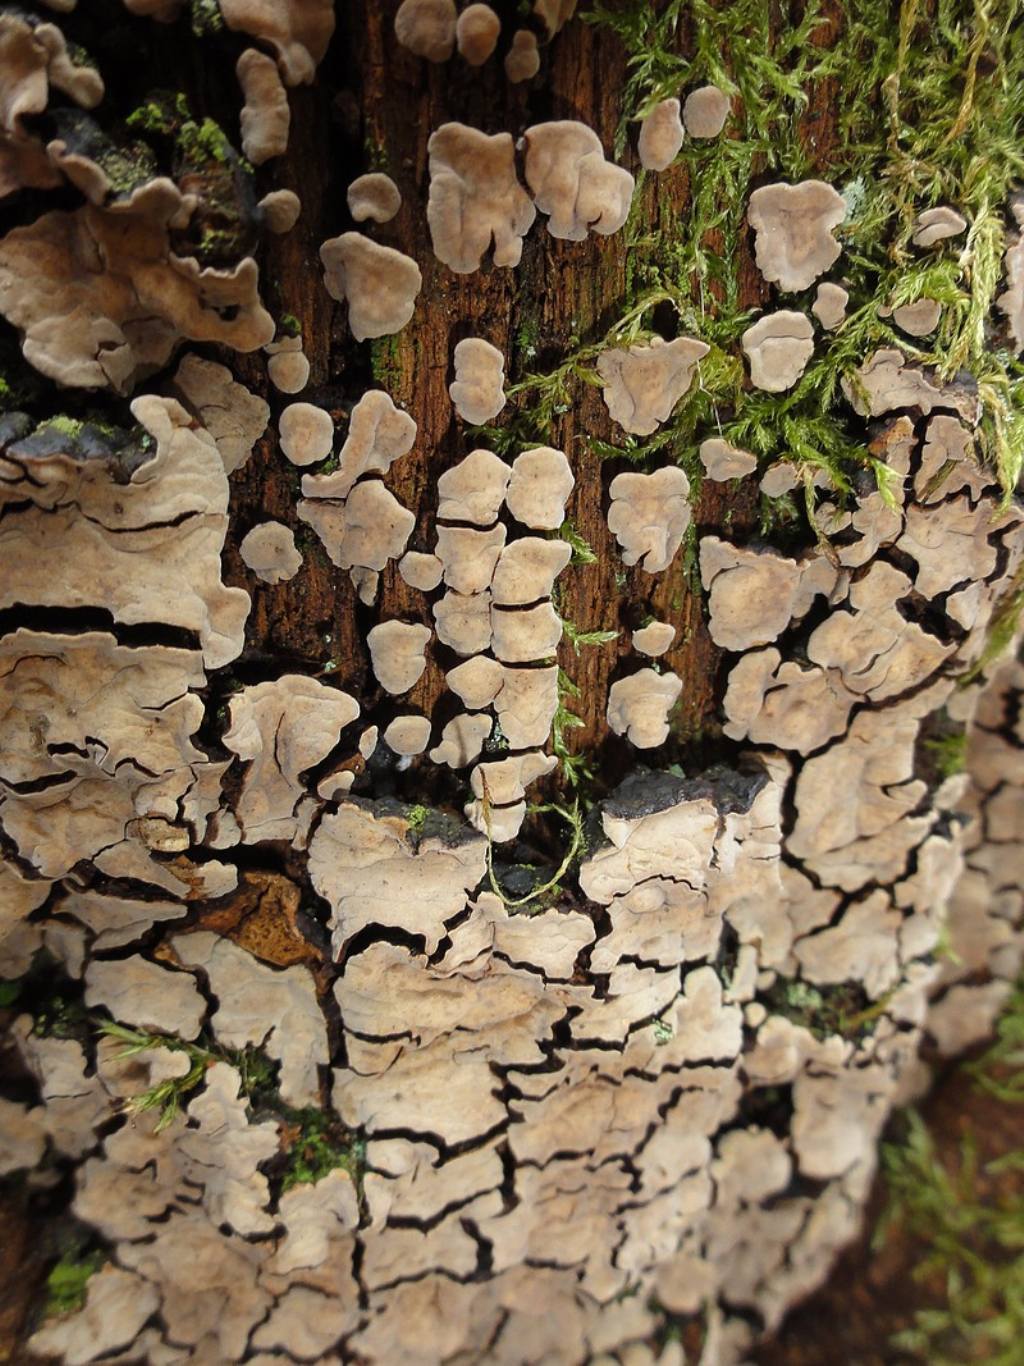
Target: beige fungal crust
(723, 461)
(379, 283)
(526, 570)
(648, 516)
(525, 634)
(110, 324)
(476, 390)
(463, 621)
(885, 381)
(793, 231)
(462, 740)
(269, 550)
(427, 28)
(705, 111)
(571, 181)
(476, 33)
(661, 136)
(474, 489)
(469, 556)
(638, 706)
(297, 30)
(654, 638)
(407, 735)
(778, 347)
(287, 368)
(378, 435)
(365, 530)
(234, 417)
(306, 433)
(642, 384)
(374, 196)
(397, 651)
(420, 570)
(539, 487)
(935, 225)
(475, 198)
(522, 61)
(829, 307)
(265, 117)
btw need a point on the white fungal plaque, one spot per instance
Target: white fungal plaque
(287, 368)
(829, 307)
(306, 433)
(378, 435)
(397, 651)
(477, 682)
(885, 381)
(654, 638)
(638, 706)
(234, 417)
(420, 570)
(477, 390)
(427, 28)
(778, 347)
(280, 729)
(571, 181)
(463, 621)
(269, 550)
(648, 516)
(265, 117)
(723, 461)
(522, 61)
(793, 231)
(705, 111)
(366, 530)
(374, 195)
(379, 284)
(642, 384)
(527, 569)
(540, 485)
(476, 33)
(469, 556)
(474, 489)
(408, 735)
(935, 225)
(462, 740)
(526, 633)
(661, 136)
(475, 198)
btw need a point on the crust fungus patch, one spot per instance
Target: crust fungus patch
(365, 530)
(522, 61)
(475, 199)
(648, 516)
(306, 433)
(474, 489)
(935, 225)
(234, 417)
(705, 111)
(476, 33)
(427, 28)
(654, 638)
(100, 299)
(281, 729)
(723, 461)
(661, 136)
(287, 368)
(829, 305)
(477, 390)
(397, 651)
(642, 384)
(572, 183)
(379, 283)
(378, 435)
(297, 30)
(754, 594)
(375, 196)
(778, 347)
(265, 117)
(638, 706)
(541, 482)
(793, 231)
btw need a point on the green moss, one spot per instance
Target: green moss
(385, 360)
(67, 426)
(824, 1011)
(416, 815)
(204, 142)
(206, 17)
(949, 753)
(319, 1146)
(288, 325)
(68, 1281)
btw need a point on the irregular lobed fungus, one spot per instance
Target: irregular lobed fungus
(522, 61)
(476, 390)
(475, 198)
(427, 28)
(571, 181)
(935, 225)
(778, 347)
(379, 283)
(661, 136)
(373, 196)
(705, 111)
(540, 484)
(234, 417)
(265, 118)
(474, 489)
(723, 461)
(648, 516)
(793, 240)
(476, 33)
(397, 651)
(305, 433)
(638, 706)
(642, 384)
(829, 307)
